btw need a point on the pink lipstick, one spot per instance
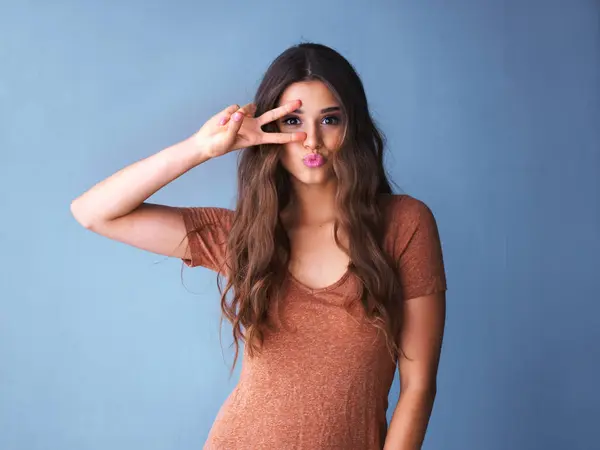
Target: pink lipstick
(313, 160)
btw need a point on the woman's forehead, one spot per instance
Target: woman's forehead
(315, 95)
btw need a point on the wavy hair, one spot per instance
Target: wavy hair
(258, 248)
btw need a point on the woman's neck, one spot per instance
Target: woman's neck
(312, 204)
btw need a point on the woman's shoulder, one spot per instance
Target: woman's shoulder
(200, 216)
(410, 231)
(403, 208)
(404, 216)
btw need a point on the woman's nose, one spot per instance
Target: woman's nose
(313, 138)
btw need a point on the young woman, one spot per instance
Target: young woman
(333, 281)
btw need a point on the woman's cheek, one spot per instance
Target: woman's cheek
(334, 139)
(287, 158)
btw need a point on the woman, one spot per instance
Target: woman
(333, 281)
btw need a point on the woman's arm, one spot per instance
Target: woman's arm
(116, 206)
(421, 340)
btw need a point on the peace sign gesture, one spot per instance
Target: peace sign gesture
(235, 128)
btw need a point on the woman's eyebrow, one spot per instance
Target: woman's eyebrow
(323, 111)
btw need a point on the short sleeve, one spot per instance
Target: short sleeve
(207, 229)
(417, 248)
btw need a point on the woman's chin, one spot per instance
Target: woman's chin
(315, 176)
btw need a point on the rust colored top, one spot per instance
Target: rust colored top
(322, 380)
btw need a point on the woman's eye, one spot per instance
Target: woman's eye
(287, 121)
(329, 120)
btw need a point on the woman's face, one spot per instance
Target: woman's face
(321, 118)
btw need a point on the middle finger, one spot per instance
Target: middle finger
(248, 110)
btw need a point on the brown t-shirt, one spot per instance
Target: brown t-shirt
(322, 380)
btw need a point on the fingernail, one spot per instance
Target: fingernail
(223, 120)
(237, 116)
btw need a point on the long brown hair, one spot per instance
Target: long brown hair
(258, 247)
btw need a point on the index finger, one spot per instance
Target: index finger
(279, 112)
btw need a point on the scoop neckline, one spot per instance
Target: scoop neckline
(311, 290)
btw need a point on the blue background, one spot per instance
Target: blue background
(492, 111)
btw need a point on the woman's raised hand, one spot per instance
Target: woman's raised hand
(235, 128)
